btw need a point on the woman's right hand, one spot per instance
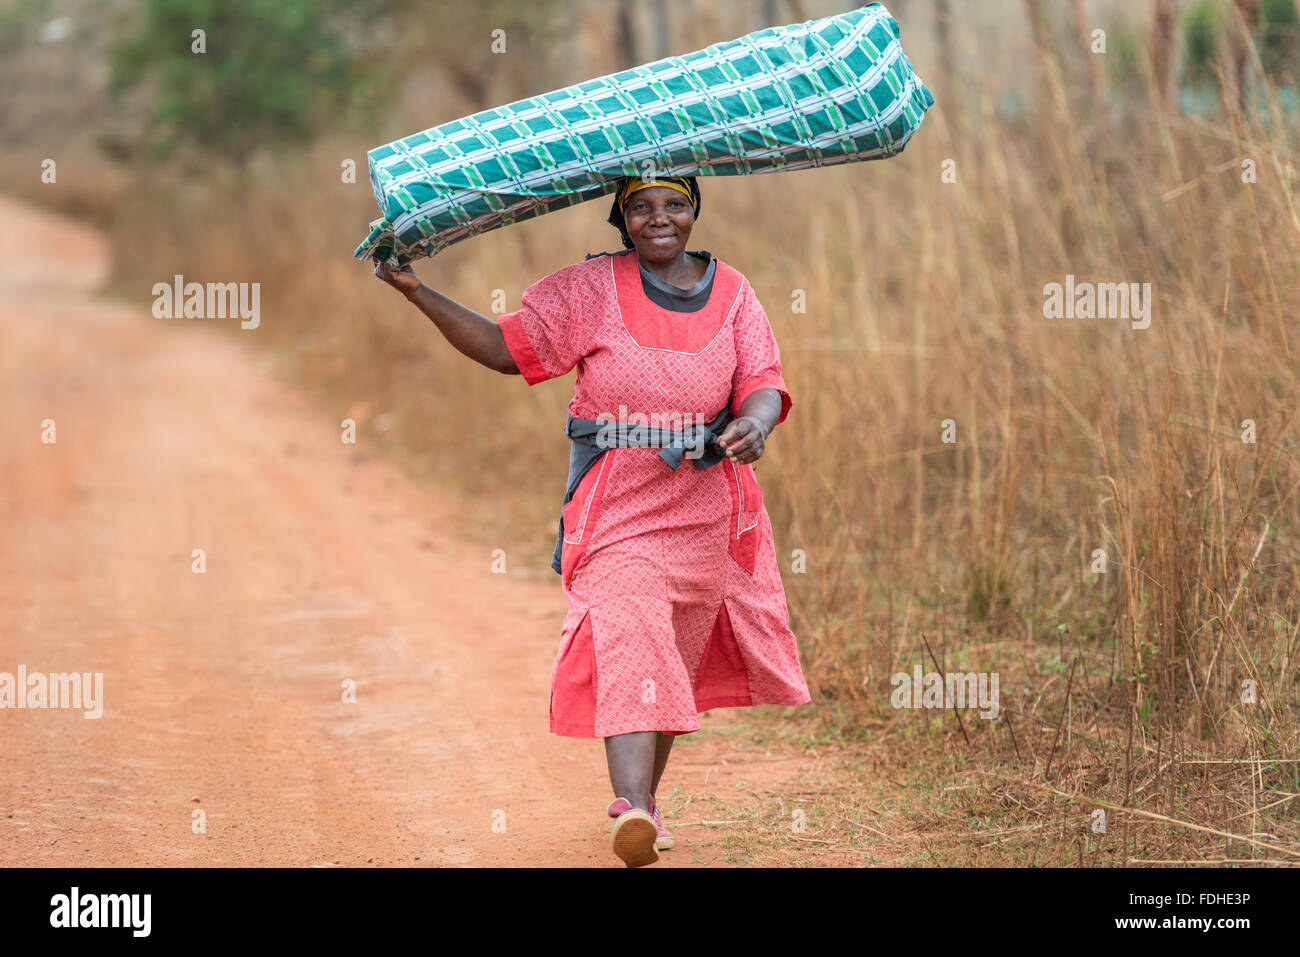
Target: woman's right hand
(405, 281)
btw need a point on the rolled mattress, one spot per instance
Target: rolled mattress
(829, 91)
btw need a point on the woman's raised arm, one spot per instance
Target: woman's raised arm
(471, 333)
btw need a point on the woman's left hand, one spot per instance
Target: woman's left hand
(743, 440)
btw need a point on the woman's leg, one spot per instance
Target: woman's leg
(662, 747)
(636, 764)
(632, 760)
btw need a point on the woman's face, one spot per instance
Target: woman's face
(658, 221)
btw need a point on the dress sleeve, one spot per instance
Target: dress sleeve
(546, 335)
(758, 360)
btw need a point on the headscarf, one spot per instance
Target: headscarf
(630, 184)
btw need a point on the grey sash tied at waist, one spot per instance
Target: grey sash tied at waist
(589, 444)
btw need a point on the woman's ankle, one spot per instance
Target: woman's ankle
(639, 801)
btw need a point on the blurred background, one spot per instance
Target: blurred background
(1138, 141)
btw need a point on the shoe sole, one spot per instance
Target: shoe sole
(633, 838)
(663, 843)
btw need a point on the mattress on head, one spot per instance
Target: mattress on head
(829, 91)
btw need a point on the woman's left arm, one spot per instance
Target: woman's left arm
(759, 400)
(744, 437)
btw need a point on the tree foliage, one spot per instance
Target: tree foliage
(274, 73)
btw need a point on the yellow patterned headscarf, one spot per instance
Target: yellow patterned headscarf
(636, 182)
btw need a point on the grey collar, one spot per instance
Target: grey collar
(677, 291)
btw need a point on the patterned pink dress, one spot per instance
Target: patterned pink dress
(675, 602)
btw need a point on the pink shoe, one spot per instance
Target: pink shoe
(664, 838)
(633, 835)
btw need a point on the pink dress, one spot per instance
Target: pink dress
(675, 602)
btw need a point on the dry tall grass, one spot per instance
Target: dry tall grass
(924, 304)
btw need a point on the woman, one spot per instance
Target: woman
(665, 553)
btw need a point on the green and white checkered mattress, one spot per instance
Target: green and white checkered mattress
(835, 90)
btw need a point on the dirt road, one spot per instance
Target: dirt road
(223, 691)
